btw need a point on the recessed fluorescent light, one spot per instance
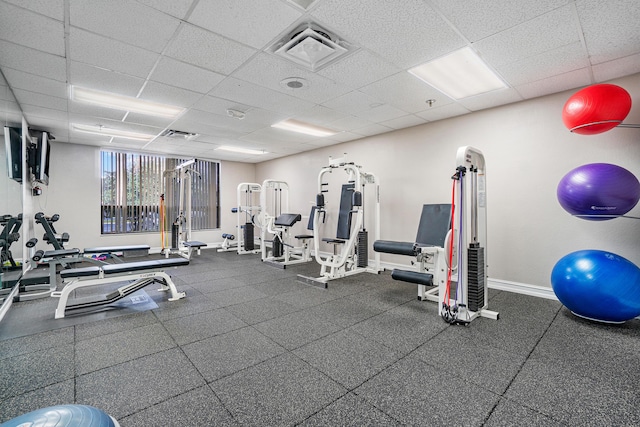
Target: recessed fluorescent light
(459, 74)
(240, 149)
(116, 133)
(125, 103)
(302, 127)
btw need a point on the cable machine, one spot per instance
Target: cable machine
(450, 246)
(181, 243)
(351, 244)
(247, 209)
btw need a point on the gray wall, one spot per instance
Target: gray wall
(527, 150)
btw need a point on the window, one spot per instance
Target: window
(133, 183)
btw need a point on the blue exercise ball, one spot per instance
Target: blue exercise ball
(598, 285)
(598, 191)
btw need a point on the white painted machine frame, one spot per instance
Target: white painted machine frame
(274, 193)
(134, 278)
(344, 263)
(185, 247)
(247, 207)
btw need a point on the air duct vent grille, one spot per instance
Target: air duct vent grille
(312, 47)
(178, 134)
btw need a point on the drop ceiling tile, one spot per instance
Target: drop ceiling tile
(176, 8)
(27, 81)
(373, 129)
(445, 112)
(491, 99)
(147, 120)
(610, 28)
(186, 76)
(557, 61)
(406, 36)
(617, 68)
(381, 113)
(91, 77)
(242, 126)
(51, 8)
(110, 54)
(352, 102)
(555, 84)
(406, 92)
(404, 122)
(547, 32)
(41, 33)
(216, 105)
(348, 123)
(55, 115)
(170, 95)
(359, 69)
(208, 50)
(337, 138)
(205, 130)
(39, 100)
(477, 19)
(271, 135)
(33, 61)
(268, 71)
(258, 96)
(262, 20)
(319, 115)
(124, 20)
(112, 124)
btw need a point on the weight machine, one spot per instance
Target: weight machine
(275, 221)
(450, 246)
(181, 243)
(351, 244)
(247, 209)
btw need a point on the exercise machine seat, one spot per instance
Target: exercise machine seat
(128, 267)
(64, 416)
(287, 219)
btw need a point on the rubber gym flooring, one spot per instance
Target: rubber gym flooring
(251, 346)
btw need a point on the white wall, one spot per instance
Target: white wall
(527, 150)
(74, 193)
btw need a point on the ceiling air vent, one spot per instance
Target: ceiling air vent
(311, 46)
(178, 134)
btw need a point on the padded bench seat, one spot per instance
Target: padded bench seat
(61, 253)
(128, 267)
(110, 249)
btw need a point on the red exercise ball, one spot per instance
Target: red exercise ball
(596, 109)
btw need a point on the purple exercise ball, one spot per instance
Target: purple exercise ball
(598, 191)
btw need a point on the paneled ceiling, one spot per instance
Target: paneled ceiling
(210, 56)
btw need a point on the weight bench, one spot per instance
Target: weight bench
(139, 250)
(140, 274)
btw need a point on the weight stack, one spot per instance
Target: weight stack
(276, 248)
(175, 235)
(248, 237)
(475, 277)
(363, 249)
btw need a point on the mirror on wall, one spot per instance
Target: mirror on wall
(10, 190)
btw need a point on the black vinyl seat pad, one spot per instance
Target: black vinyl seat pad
(111, 249)
(128, 267)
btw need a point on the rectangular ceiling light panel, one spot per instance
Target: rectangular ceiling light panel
(302, 127)
(459, 74)
(239, 150)
(115, 133)
(124, 103)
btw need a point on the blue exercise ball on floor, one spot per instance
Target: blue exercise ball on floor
(598, 191)
(64, 416)
(598, 285)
